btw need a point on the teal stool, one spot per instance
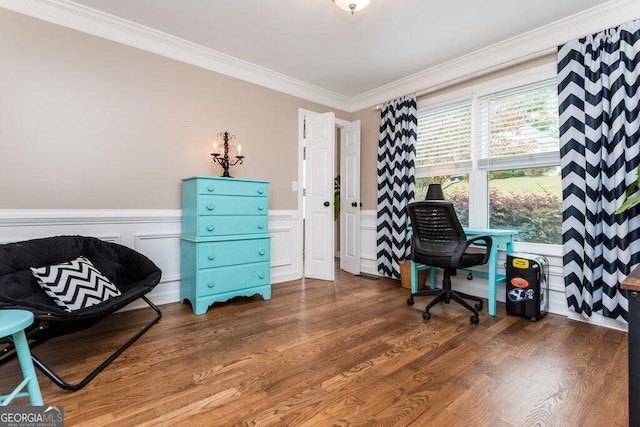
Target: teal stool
(14, 322)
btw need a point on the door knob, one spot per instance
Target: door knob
(354, 204)
(327, 204)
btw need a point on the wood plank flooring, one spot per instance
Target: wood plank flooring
(343, 353)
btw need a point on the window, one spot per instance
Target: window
(495, 149)
(527, 199)
(444, 135)
(455, 189)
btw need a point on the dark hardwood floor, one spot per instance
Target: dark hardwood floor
(349, 352)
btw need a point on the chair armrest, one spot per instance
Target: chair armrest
(463, 246)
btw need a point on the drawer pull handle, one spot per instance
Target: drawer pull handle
(212, 257)
(210, 188)
(260, 190)
(261, 252)
(261, 276)
(260, 226)
(210, 227)
(210, 206)
(260, 207)
(211, 284)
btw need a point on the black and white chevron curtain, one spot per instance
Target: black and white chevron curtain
(396, 181)
(598, 78)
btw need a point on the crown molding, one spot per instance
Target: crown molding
(516, 50)
(530, 45)
(88, 20)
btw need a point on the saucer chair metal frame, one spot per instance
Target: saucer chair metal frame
(133, 273)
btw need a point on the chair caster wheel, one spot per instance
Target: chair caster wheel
(479, 306)
(426, 315)
(474, 319)
(410, 301)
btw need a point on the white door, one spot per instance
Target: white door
(350, 198)
(318, 206)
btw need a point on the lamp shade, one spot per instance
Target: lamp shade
(434, 192)
(352, 5)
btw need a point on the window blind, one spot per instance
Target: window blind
(519, 123)
(444, 135)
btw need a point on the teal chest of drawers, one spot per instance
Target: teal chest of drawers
(225, 244)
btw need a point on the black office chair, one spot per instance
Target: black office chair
(439, 241)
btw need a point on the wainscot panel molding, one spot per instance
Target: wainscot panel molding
(478, 286)
(285, 232)
(368, 257)
(152, 232)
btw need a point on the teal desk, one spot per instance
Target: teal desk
(502, 239)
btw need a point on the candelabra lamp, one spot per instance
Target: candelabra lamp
(224, 159)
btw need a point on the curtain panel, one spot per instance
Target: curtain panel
(598, 78)
(396, 182)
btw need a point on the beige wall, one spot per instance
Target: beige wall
(86, 123)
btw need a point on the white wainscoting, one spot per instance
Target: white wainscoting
(286, 258)
(154, 233)
(368, 255)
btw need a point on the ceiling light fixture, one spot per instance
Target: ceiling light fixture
(352, 5)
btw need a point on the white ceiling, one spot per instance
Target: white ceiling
(316, 42)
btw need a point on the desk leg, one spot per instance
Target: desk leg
(414, 277)
(432, 277)
(493, 273)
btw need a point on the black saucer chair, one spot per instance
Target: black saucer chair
(439, 241)
(134, 275)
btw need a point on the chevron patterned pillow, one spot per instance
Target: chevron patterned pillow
(75, 284)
